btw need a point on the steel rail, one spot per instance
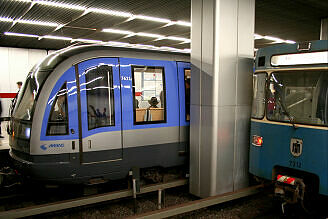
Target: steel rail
(198, 204)
(78, 202)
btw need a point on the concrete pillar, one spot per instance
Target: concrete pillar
(222, 45)
(324, 29)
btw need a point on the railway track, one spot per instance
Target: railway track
(199, 204)
(84, 201)
(161, 213)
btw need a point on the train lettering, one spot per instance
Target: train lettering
(56, 146)
(45, 147)
(126, 78)
(293, 163)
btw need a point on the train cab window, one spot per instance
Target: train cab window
(187, 92)
(299, 97)
(100, 96)
(58, 119)
(258, 104)
(149, 94)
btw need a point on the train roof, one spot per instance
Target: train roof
(53, 59)
(45, 67)
(264, 55)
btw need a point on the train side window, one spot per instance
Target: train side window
(58, 119)
(149, 94)
(258, 105)
(100, 96)
(187, 92)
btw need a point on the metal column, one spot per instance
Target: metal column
(221, 80)
(324, 29)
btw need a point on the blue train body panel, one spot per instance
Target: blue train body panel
(122, 80)
(275, 151)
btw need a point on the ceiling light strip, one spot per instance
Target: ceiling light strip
(56, 37)
(274, 39)
(109, 12)
(20, 34)
(5, 19)
(109, 43)
(149, 18)
(59, 5)
(49, 24)
(151, 35)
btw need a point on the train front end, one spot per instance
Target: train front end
(289, 133)
(24, 137)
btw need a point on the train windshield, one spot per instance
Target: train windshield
(301, 96)
(26, 99)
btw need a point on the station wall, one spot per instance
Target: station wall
(15, 64)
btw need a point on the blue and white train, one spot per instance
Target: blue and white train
(289, 126)
(93, 112)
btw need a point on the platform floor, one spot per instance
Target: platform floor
(4, 142)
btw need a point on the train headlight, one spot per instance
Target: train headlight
(257, 141)
(27, 133)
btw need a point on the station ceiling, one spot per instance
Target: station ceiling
(155, 23)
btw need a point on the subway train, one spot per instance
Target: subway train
(91, 112)
(289, 125)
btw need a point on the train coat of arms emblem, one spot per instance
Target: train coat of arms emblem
(296, 147)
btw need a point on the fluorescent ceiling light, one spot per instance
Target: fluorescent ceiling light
(158, 36)
(20, 34)
(187, 50)
(110, 12)
(149, 18)
(50, 24)
(60, 5)
(182, 23)
(56, 37)
(178, 38)
(109, 30)
(150, 35)
(276, 39)
(258, 36)
(5, 19)
(87, 41)
(290, 41)
(23, 0)
(109, 43)
(120, 44)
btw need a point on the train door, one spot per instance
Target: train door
(184, 98)
(150, 107)
(100, 129)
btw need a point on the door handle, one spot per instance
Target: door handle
(73, 131)
(89, 141)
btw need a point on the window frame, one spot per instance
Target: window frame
(51, 111)
(184, 84)
(109, 94)
(133, 67)
(265, 95)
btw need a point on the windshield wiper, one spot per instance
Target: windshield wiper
(291, 119)
(284, 108)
